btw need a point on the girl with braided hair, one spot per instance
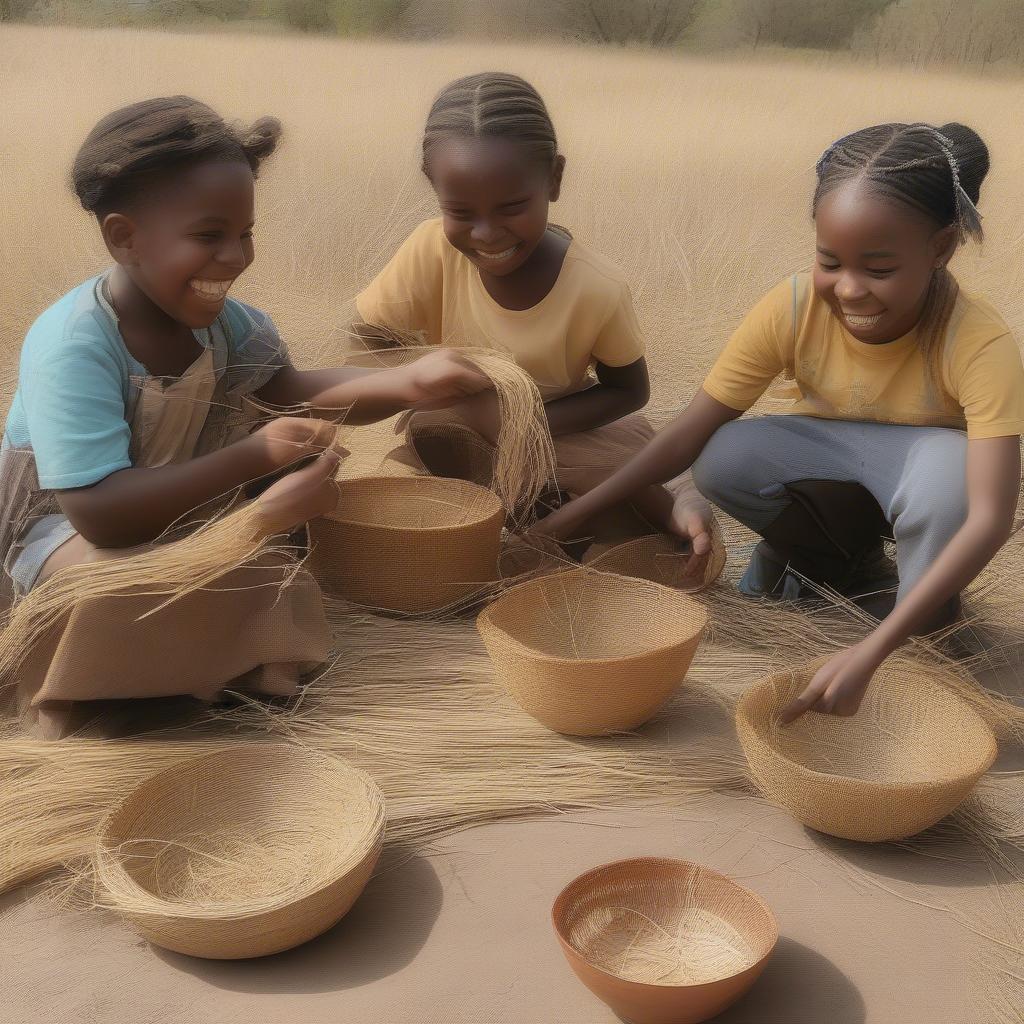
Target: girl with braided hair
(138, 404)
(493, 272)
(908, 404)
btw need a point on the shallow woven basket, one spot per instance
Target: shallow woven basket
(660, 558)
(663, 941)
(588, 653)
(247, 851)
(407, 544)
(908, 757)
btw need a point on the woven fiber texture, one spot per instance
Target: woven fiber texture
(243, 852)
(663, 941)
(660, 558)
(588, 653)
(407, 544)
(910, 756)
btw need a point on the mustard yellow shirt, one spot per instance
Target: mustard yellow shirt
(793, 331)
(431, 289)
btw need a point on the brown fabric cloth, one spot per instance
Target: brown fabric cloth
(256, 629)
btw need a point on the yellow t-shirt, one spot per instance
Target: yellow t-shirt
(432, 289)
(793, 331)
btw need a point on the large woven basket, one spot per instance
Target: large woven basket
(663, 941)
(908, 757)
(588, 653)
(660, 558)
(407, 544)
(247, 851)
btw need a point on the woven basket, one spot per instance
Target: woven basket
(908, 757)
(407, 544)
(247, 851)
(663, 941)
(660, 558)
(588, 653)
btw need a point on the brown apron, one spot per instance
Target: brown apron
(257, 628)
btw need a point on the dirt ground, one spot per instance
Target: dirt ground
(462, 933)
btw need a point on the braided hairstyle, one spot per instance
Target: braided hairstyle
(132, 147)
(937, 172)
(492, 104)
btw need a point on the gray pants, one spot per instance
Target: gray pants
(918, 475)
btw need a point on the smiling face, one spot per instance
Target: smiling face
(494, 197)
(875, 262)
(186, 241)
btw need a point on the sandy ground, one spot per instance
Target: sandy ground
(462, 933)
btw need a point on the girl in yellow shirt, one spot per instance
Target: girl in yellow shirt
(909, 402)
(492, 272)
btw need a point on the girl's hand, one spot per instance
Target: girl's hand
(442, 378)
(692, 522)
(290, 439)
(838, 686)
(562, 525)
(303, 495)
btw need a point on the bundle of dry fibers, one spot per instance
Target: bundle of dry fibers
(171, 570)
(411, 702)
(524, 457)
(415, 704)
(911, 755)
(241, 852)
(589, 653)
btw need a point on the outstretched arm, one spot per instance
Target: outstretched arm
(358, 395)
(136, 505)
(669, 453)
(993, 485)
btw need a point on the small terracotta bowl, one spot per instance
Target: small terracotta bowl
(663, 941)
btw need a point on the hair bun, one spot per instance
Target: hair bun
(971, 156)
(260, 140)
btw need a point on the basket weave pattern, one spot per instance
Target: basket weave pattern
(407, 544)
(588, 653)
(910, 755)
(240, 853)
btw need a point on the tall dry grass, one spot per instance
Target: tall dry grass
(694, 175)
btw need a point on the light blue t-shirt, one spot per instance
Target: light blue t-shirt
(75, 397)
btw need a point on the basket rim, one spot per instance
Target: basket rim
(746, 725)
(106, 861)
(675, 862)
(497, 510)
(484, 619)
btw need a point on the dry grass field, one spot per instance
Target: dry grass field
(694, 175)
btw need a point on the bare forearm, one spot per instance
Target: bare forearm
(355, 395)
(970, 550)
(134, 506)
(668, 454)
(594, 407)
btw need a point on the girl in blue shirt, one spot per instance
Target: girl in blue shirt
(135, 394)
